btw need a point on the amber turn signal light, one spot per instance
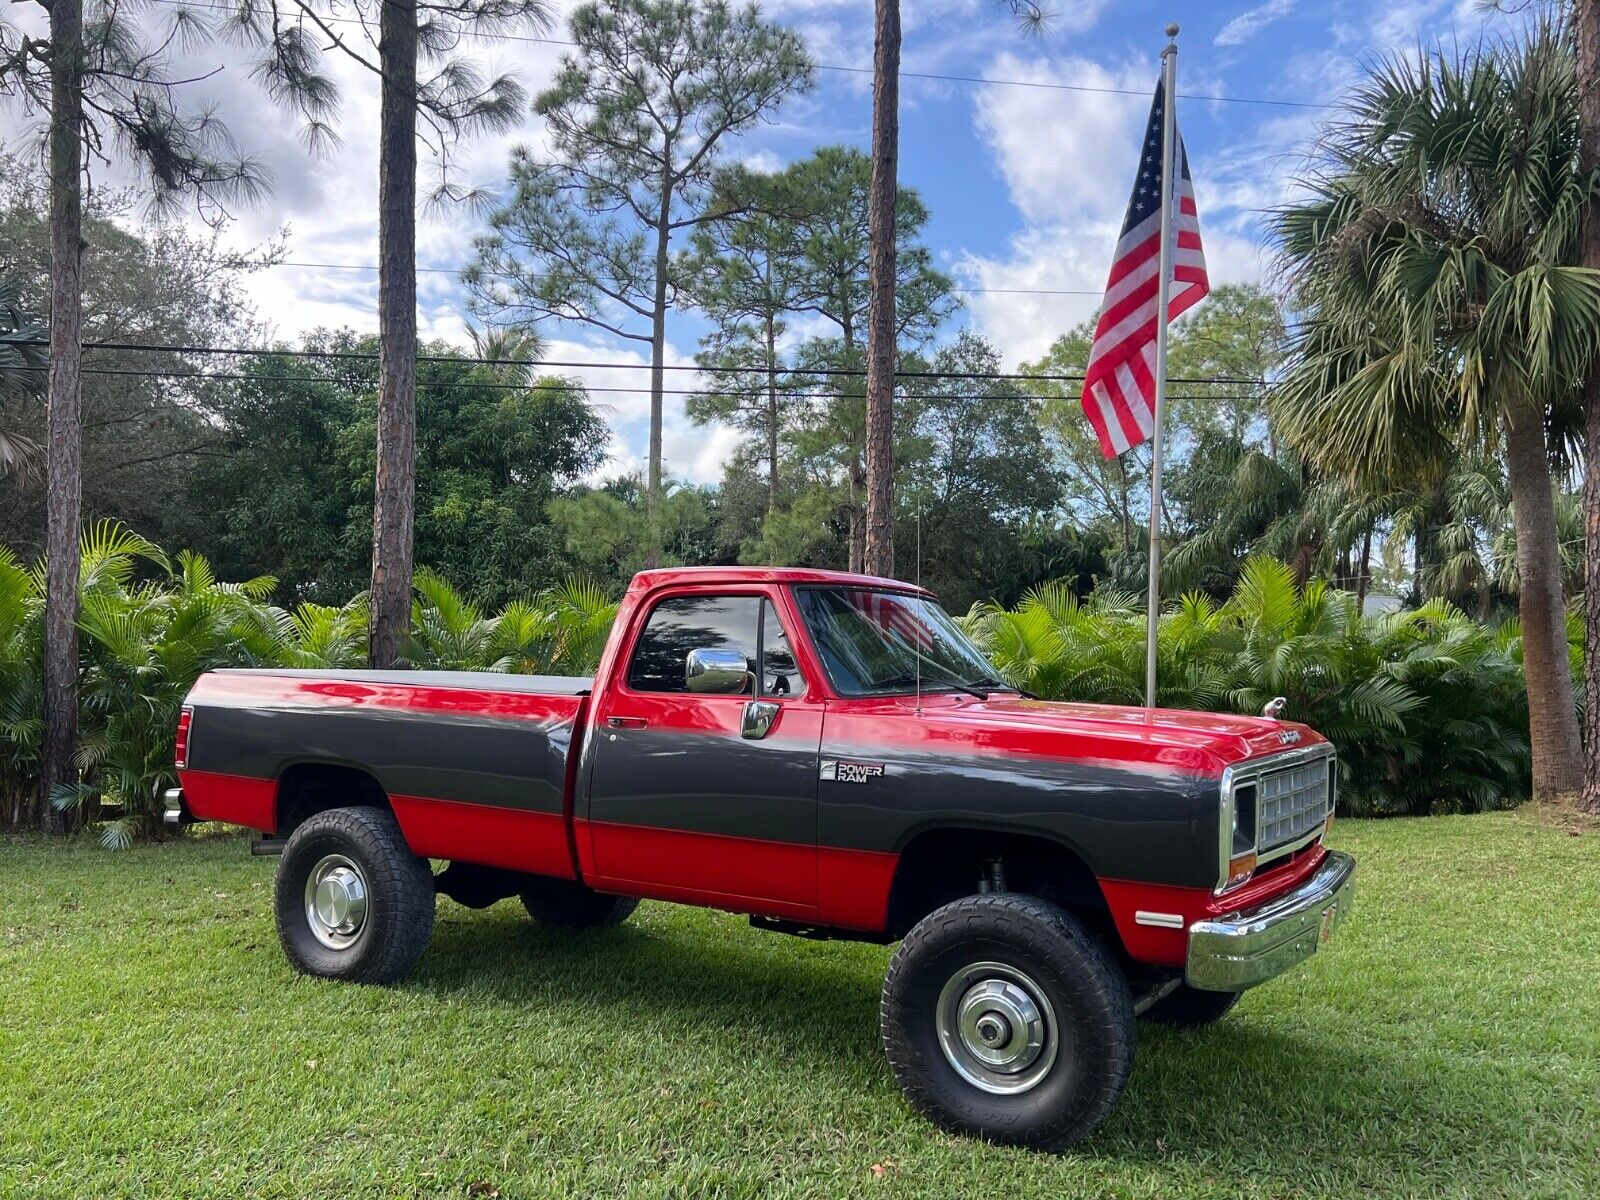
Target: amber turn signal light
(1240, 868)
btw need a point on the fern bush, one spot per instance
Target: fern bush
(21, 684)
(150, 625)
(1428, 708)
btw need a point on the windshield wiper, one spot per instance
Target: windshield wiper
(1000, 685)
(909, 680)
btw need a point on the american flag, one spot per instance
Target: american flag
(1119, 387)
(894, 617)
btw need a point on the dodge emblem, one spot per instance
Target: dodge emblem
(1288, 737)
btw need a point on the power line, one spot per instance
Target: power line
(327, 266)
(486, 36)
(822, 372)
(541, 386)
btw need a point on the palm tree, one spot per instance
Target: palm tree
(1443, 312)
(1586, 29)
(510, 351)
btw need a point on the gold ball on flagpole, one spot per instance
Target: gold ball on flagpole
(1172, 29)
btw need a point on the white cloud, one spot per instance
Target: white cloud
(1059, 150)
(620, 394)
(1251, 22)
(1066, 158)
(1022, 319)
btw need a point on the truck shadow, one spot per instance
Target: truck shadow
(1245, 1104)
(768, 989)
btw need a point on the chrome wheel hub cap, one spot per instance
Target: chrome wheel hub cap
(336, 902)
(997, 1028)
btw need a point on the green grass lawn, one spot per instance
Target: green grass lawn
(154, 1043)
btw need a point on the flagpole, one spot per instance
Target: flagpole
(1169, 138)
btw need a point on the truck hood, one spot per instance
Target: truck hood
(1202, 741)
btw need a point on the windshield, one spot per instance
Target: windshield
(879, 643)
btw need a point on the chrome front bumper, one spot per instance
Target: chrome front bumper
(1251, 947)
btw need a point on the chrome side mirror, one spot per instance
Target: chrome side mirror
(716, 672)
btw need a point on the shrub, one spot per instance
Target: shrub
(1428, 708)
(150, 626)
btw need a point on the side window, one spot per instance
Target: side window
(780, 675)
(680, 624)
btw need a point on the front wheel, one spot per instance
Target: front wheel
(1003, 1017)
(352, 902)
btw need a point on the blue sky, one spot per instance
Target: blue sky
(1026, 184)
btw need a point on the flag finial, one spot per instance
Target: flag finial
(1172, 30)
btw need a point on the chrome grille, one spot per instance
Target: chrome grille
(1291, 802)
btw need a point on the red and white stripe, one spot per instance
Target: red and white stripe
(1119, 387)
(890, 614)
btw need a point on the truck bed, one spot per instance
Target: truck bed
(479, 681)
(476, 765)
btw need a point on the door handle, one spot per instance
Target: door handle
(758, 718)
(626, 722)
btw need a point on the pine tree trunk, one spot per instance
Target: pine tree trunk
(856, 534)
(772, 416)
(64, 464)
(395, 494)
(658, 360)
(1586, 18)
(1552, 716)
(878, 555)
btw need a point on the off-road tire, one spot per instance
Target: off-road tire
(566, 904)
(1088, 993)
(400, 897)
(1187, 1006)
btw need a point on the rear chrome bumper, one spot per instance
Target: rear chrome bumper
(174, 808)
(1246, 948)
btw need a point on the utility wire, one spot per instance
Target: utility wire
(541, 386)
(326, 266)
(289, 12)
(825, 372)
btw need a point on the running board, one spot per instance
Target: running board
(264, 847)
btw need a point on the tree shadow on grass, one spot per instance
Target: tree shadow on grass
(1246, 1104)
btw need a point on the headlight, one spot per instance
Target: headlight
(1239, 841)
(1244, 818)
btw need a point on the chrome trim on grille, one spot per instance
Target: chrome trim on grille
(1255, 771)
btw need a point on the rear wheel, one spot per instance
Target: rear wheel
(569, 905)
(1185, 1005)
(352, 902)
(1002, 1016)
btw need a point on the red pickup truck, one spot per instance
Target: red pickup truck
(831, 755)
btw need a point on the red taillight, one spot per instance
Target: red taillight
(180, 744)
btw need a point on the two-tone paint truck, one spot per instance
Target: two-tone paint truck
(831, 755)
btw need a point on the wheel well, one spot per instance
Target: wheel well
(306, 789)
(942, 865)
